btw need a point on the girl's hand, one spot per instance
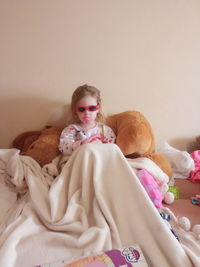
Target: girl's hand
(86, 141)
(96, 141)
(93, 139)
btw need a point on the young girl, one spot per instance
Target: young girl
(87, 119)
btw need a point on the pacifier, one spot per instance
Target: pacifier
(87, 119)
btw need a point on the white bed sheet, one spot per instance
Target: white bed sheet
(94, 203)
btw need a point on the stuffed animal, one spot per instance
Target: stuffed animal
(40, 145)
(151, 187)
(133, 132)
(135, 137)
(157, 190)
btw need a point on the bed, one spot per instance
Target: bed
(76, 206)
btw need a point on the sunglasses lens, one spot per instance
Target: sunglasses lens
(81, 109)
(89, 108)
(92, 108)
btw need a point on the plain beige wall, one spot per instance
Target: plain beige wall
(142, 54)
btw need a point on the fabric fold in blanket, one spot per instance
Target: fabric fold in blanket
(95, 203)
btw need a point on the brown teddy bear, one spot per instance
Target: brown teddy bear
(40, 145)
(135, 137)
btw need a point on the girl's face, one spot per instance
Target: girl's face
(87, 117)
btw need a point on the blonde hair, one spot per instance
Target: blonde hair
(78, 94)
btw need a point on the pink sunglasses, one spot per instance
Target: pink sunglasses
(89, 108)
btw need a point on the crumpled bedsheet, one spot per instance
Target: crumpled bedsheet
(90, 202)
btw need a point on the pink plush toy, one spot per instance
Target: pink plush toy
(157, 192)
(151, 187)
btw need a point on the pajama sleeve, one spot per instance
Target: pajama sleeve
(68, 140)
(108, 135)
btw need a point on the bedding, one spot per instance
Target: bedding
(90, 202)
(128, 256)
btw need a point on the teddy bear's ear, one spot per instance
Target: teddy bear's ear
(24, 140)
(134, 134)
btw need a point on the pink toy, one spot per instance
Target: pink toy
(195, 174)
(151, 187)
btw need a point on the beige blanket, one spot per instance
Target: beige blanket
(89, 203)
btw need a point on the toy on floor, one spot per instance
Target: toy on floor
(195, 174)
(175, 190)
(166, 218)
(196, 200)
